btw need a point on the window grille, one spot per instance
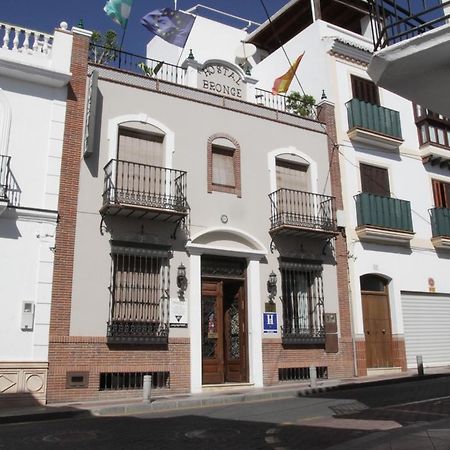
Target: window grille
(115, 381)
(301, 373)
(303, 302)
(139, 310)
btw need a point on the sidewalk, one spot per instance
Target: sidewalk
(214, 398)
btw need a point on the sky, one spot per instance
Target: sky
(45, 15)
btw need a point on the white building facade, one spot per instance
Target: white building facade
(34, 72)
(395, 183)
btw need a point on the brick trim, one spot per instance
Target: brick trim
(67, 209)
(68, 193)
(326, 114)
(236, 165)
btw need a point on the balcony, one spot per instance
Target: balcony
(410, 39)
(302, 213)
(34, 56)
(140, 190)
(434, 137)
(440, 226)
(374, 125)
(383, 219)
(185, 82)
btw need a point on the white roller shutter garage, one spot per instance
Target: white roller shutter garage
(426, 319)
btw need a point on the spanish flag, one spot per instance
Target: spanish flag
(281, 84)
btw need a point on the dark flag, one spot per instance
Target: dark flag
(172, 26)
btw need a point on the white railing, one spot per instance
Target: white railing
(21, 40)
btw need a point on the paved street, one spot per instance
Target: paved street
(396, 415)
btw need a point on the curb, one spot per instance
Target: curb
(187, 403)
(165, 405)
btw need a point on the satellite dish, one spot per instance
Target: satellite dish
(245, 50)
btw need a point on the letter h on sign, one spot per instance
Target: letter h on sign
(270, 322)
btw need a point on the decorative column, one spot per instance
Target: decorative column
(254, 323)
(195, 320)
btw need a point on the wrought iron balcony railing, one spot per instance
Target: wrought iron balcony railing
(137, 332)
(373, 118)
(383, 212)
(302, 210)
(140, 65)
(5, 175)
(140, 185)
(440, 221)
(397, 20)
(303, 336)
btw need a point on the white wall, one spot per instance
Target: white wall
(409, 268)
(33, 139)
(207, 39)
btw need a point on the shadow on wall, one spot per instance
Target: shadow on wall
(8, 225)
(23, 407)
(92, 161)
(17, 399)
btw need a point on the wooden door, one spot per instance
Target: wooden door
(235, 348)
(377, 329)
(212, 333)
(224, 341)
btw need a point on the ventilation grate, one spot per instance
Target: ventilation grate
(301, 373)
(115, 381)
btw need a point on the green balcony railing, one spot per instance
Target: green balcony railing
(373, 118)
(440, 221)
(383, 212)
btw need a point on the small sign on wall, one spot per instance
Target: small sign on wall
(431, 285)
(270, 322)
(178, 313)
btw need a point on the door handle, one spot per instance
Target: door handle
(383, 331)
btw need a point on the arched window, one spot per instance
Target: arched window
(224, 161)
(141, 143)
(292, 173)
(373, 283)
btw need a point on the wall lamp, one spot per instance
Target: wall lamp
(181, 280)
(272, 286)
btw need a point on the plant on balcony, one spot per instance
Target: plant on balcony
(302, 105)
(148, 71)
(104, 47)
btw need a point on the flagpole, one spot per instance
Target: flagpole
(175, 4)
(121, 42)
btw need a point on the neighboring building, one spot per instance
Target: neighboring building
(395, 178)
(34, 73)
(202, 216)
(411, 39)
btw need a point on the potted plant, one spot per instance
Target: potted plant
(302, 105)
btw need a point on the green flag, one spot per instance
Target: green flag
(119, 11)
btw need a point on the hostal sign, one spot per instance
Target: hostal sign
(222, 80)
